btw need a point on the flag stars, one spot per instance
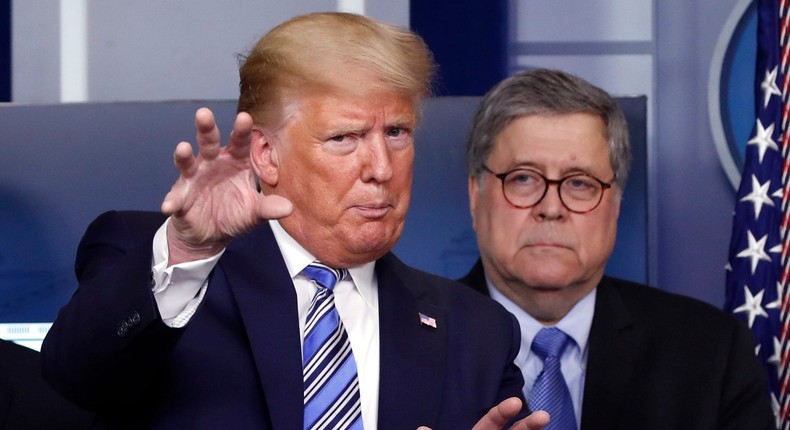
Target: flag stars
(763, 139)
(775, 358)
(752, 305)
(776, 304)
(755, 251)
(768, 85)
(758, 196)
(775, 407)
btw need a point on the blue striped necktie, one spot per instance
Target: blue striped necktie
(550, 393)
(331, 386)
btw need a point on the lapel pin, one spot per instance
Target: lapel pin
(427, 320)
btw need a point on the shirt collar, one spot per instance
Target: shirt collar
(576, 323)
(297, 258)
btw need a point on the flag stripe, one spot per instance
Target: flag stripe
(759, 251)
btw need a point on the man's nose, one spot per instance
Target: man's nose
(377, 163)
(550, 206)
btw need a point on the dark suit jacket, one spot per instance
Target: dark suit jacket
(27, 402)
(662, 361)
(237, 363)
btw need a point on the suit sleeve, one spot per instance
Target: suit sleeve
(513, 379)
(108, 342)
(745, 403)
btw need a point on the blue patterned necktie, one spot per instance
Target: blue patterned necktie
(550, 393)
(331, 386)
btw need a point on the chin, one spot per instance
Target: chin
(369, 249)
(375, 234)
(553, 269)
(548, 283)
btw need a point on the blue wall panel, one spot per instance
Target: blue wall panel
(65, 164)
(469, 40)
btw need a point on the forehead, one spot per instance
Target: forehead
(564, 141)
(332, 108)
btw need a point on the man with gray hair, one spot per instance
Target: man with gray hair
(548, 157)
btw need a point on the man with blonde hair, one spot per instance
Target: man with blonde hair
(266, 295)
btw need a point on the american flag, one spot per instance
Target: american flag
(758, 269)
(427, 320)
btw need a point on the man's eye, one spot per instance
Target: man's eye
(520, 178)
(394, 132)
(580, 183)
(338, 138)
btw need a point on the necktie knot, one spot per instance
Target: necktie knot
(549, 342)
(324, 275)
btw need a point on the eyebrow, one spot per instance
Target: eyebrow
(541, 168)
(343, 129)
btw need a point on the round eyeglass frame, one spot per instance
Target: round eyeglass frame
(501, 176)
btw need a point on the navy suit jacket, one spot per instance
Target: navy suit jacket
(662, 361)
(27, 402)
(237, 363)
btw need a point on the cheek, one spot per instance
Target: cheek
(401, 182)
(316, 192)
(403, 163)
(598, 238)
(402, 175)
(497, 227)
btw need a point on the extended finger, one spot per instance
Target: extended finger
(184, 159)
(208, 138)
(174, 200)
(498, 416)
(240, 137)
(535, 421)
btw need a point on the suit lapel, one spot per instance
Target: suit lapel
(413, 354)
(476, 278)
(610, 363)
(264, 293)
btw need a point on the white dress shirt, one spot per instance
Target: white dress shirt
(576, 324)
(179, 289)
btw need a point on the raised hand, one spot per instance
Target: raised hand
(215, 198)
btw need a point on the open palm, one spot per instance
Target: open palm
(215, 198)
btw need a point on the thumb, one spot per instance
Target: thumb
(498, 416)
(273, 207)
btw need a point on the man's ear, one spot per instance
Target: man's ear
(263, 154)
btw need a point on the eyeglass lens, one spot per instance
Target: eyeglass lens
(525, 188)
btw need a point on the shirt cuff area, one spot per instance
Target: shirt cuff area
(179, 288)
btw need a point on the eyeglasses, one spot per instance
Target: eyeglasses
(524, 188)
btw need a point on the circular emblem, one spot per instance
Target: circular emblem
(731, 111)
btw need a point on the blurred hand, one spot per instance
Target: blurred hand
(498, 417)
(215, 197)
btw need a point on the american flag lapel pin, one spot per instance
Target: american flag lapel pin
(427, 320)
